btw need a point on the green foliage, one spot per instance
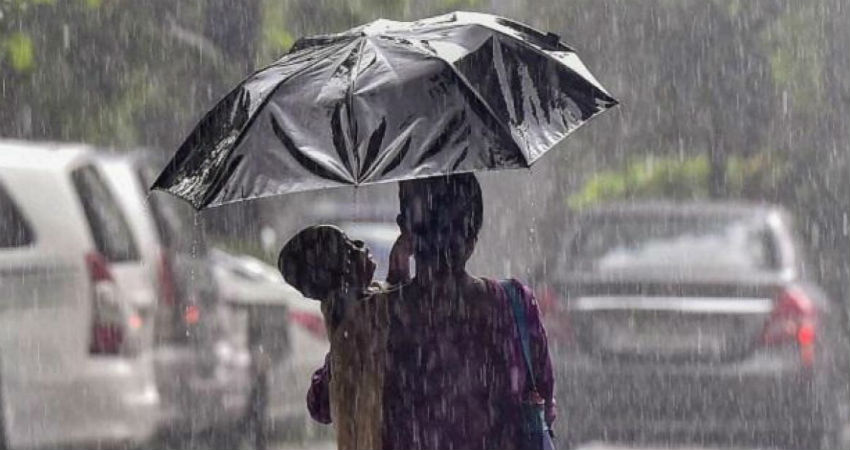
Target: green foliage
(19, 52)
(117, 73)
(797, 58)
(650, 177)
(126, 72)
(678, 178)
(275, 37)
(18, 5)
(283, 21)
(278, 39)
(460, 4)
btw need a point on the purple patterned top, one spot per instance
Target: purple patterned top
(455, 380)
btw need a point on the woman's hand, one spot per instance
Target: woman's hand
(399, 270)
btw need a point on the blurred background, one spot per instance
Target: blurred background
(720, 99)
(732, 112)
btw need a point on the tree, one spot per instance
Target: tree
(114, 73)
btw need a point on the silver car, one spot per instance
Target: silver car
(287, 328)
(75, 349)
(203, 375)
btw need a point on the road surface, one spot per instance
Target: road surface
(326, 445)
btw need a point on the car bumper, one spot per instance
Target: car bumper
(761, 399)
(196, 400)
(112, 403)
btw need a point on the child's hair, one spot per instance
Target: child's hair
(312, 261)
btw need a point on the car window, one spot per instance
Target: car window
(14, 229)
(108, 225)
(696, 244)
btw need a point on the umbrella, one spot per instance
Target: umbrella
(388, 101)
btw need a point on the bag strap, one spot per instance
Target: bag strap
(522, 326)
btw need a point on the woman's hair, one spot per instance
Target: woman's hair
(444, 213)
(312, 261)
(454, 199)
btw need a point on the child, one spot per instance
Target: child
(325, 264)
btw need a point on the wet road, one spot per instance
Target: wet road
(322, 444)
(330, 445)
(326, 445)
(614, 447)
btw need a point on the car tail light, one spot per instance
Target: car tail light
(192, 314)
(793, 322)
(310, 322)
(168, 292)
(107, 326)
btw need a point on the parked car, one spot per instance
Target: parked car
(694, 322)
(203, 374)
(289, 328)
(74, 346)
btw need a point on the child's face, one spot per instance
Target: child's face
(358, 266)
(349, 263)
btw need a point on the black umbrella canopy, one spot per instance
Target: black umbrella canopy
(388, 101)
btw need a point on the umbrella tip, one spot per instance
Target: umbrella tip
(553, 39)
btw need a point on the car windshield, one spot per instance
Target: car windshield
(680, 244)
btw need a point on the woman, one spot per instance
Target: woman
(447, 357)
(455, 376)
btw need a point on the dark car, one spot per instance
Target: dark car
(694, 323)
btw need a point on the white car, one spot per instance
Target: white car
(292, 332)
(203, 374)
(73, 365)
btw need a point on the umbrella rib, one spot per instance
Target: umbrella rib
(352, 123)
(209, 196)
(592, 82)
(466, 84)
(548, 54)
(498, 30)
(271, 93)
